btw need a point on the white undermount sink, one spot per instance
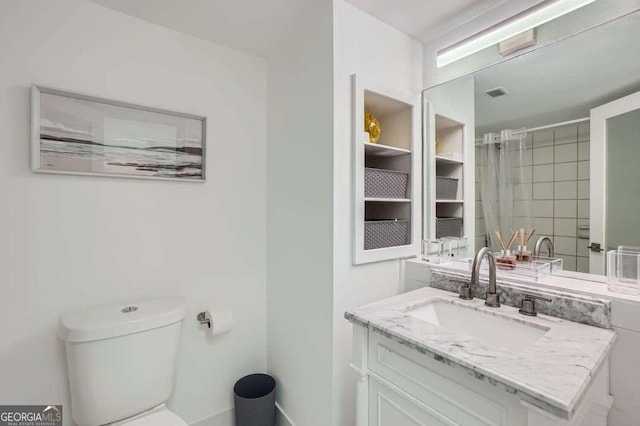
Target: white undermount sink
(489, 329)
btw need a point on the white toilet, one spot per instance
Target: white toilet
(122, 362)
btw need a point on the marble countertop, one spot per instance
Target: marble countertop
(553, 374)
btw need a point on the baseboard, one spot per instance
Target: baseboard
(226, 418)
(223, 418)
(282, 419)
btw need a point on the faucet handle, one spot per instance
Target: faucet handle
(465, 292)
(529, 304)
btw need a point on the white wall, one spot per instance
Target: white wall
(299, 219)
(72, 242)
(366, 46)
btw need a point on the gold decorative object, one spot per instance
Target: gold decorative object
(372, 126)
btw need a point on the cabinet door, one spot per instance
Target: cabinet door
(390, 408)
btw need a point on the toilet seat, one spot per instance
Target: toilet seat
(159, 416)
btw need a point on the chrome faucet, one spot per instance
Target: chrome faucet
(492, 297)
(539, 244)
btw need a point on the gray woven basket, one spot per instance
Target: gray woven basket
(446, 188)
(381, 183)
(385, 233)
(448, 227)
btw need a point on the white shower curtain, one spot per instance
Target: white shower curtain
(505, 184)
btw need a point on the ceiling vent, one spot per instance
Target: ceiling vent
(497, 92)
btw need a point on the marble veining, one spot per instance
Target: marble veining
(564, 304)
(553, 374)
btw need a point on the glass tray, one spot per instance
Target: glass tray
(538, 268)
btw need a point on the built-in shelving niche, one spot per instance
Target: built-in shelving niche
(398, 149)
(445, 141)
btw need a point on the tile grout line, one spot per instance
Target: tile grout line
(553, 189)
(575, 231)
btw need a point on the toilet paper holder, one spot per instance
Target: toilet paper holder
(204, 319)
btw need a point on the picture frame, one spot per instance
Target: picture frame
(78, 134)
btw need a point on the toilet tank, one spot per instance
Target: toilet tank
(121, 359)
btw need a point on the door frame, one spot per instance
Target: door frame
(598, 174)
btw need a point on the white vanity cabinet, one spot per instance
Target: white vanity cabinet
(400, 386)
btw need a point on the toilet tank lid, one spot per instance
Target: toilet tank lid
(118, 320)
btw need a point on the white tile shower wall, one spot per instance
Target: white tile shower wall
(561, 190)
(557, 178)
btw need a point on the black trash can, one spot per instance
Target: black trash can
(255, 400)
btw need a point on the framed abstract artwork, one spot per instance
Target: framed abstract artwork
(86, 135)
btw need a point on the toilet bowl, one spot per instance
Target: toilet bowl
(122, 362)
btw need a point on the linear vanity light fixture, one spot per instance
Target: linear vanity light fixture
(530, 18)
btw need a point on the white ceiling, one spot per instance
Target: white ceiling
(426, 19)
(252, 26)
(563, 81)
(258, 26)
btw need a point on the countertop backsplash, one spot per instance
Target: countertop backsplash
(570, 306)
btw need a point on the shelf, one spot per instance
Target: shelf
(399, 117)
(380, 105)
(447, 160)
(445, 123)
(384, 150)
(447, 128)
(388, 200)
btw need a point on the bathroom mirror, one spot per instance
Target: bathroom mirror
(548, 140)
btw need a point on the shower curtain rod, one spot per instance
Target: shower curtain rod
(551, 126)
(535, 129)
